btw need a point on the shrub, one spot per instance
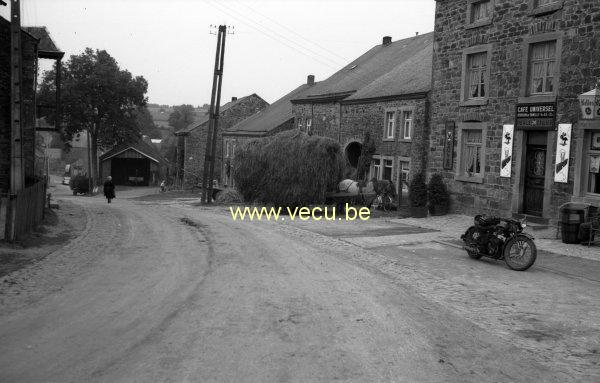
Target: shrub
(79, 184)
(288, 169)
(229, 195)
(417, 191)
(369, 147)
(437, 193)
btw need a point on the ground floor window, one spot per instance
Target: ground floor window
(471, 151)
(382, 168)
(594, 164)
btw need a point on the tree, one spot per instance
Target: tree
(366, 156)
(146, 123)
(97, 96)
(182, 116)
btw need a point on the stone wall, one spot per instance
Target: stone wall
(577, 22)
(29, 60)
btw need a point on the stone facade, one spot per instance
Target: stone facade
(29, 65)
(508, 37)
(194, 142)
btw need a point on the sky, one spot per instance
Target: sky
(272, 47)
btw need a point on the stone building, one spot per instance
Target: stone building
(383, 92)
(191, 140)
(274, 119)
(35, 43)
(506, 130)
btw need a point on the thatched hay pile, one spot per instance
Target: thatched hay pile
(229, 195)
(288, 169)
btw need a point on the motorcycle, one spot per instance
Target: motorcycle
(500, 238)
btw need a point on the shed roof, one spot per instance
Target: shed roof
(381, 60)
(141, 146)
(46, 47)
(272, 116)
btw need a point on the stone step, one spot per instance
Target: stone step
(534, 222)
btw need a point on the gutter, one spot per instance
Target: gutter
(409, 96)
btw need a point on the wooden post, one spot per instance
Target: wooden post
(17, 178)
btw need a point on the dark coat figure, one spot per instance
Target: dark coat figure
(109, 189)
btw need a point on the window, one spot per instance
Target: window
(542, 67)
(308, 125)
(300, 123)
(471, 151)
(404, 171)
(541, 3)
(407, 124)
(375, 168)
(476, 75)
(390, 124)
(480, 11)
(475, 83)
(594, 164)
(388, 166)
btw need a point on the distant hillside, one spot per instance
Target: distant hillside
(160, 115)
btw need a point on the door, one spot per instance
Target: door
(535, 173)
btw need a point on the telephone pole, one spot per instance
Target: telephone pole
(17, 177)
(213, 124)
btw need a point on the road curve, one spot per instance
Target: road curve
(166, 292)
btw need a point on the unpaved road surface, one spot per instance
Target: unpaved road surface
(165, 291)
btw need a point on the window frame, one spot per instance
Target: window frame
(300, 123)
(539, 10)
(482, 22)
(308, 123)
(403, 135)
(467, 52)
(525, 95)
(386, 137)
(459, 174)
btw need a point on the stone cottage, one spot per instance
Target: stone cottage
(383, 92)
(191, 140)
(506, 129)
(275, 118)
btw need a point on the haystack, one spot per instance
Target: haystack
(288, 169)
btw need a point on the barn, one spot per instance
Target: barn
(138, 164)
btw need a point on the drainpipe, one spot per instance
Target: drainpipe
(340, 124)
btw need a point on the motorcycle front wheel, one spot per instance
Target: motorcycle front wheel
(520, 253)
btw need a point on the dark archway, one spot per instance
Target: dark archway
(353, 151)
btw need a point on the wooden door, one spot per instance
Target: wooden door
(535, 173)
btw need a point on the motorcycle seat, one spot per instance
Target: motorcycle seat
(486, 220)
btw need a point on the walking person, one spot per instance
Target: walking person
(109, 189)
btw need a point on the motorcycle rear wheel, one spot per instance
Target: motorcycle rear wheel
(520, 253)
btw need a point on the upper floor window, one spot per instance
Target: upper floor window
(308, 125)
(407, 125)
(390, 125)
(540, 7)
(477, 75)
(480, 11)
(542, 67)
(300, 123)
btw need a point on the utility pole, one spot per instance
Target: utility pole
(17, 177)
(213, 125)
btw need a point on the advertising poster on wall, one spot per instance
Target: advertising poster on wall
(507, 149)
(563, 149)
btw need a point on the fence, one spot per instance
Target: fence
(23, 211)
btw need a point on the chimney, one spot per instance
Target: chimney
(416, 33)
(233, 99)
(387, 40)
(310, 80)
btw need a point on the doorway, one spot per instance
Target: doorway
(535, 173)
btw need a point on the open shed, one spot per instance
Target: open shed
(137, 164)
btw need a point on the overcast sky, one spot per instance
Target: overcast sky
(276, 44)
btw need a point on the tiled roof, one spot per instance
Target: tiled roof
(272, 116)
(395, 58)
(204, 119)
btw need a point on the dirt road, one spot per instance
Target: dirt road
(163, 291)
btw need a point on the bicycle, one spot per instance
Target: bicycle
(384, 201)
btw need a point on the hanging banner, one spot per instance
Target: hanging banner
(563, 150)
(507, 149)
(449, 146)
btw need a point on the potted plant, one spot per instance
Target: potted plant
(417, 196)
(438, 196)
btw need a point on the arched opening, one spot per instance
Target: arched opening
(353, 151)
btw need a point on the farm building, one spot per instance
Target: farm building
(138, 164)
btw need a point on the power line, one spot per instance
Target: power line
(240, 18)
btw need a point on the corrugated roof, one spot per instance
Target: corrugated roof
(145, 148)
(272, 116)
(204, 119)
(375, 63)
(46, 44)
(412, 76)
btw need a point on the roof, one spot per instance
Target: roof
(395, 60)
(204, 119)
(141, 146)
(272, 116)
(46, 47)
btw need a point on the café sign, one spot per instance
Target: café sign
(590, 104)
(538, 116)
